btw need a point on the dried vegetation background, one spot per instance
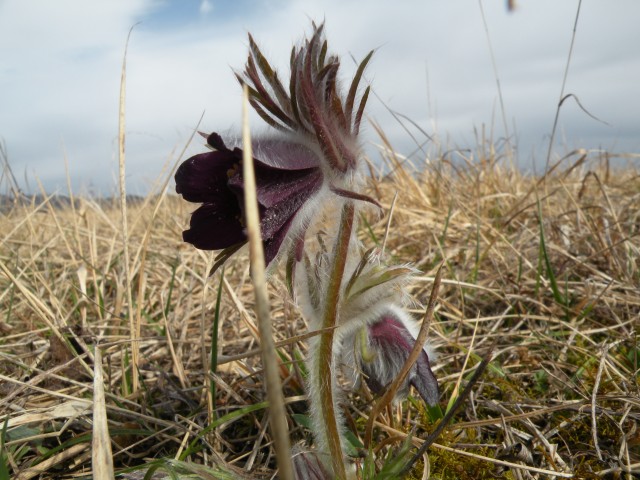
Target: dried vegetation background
(546, 270)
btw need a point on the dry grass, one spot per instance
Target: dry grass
(547, 270)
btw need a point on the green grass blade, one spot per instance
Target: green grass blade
(229, 417)
(395, 462)
(4, 461)
(557, 295)
(167, 306)
(213, 365)
(372, 235)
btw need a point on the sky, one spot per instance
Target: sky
(60, 72)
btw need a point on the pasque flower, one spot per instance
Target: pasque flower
(314, 155)
(310, 161)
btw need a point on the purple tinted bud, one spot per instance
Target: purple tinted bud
(390, 343)
(307, 466)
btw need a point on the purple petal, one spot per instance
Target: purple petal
(281, 194)
(216, 142)
(214, 228)
(203, 178)
(277, 186)
(424, 381)
(272, 152)
(275, 218)
(272, 244)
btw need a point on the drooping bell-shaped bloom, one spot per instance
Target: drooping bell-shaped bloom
(287, 176)
(314, 159)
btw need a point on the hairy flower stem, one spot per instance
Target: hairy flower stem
(324, 354)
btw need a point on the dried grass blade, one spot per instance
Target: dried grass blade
(46, 465)
(101, 455)
(388, 225)
(275, 397)
(40, 308)
(517, 466)
(134, 329)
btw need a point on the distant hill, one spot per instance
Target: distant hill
(7, 202)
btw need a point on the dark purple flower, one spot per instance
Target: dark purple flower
(287, 176)
(390, 342)
(318, 146)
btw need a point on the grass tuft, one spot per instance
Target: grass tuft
(543, 269)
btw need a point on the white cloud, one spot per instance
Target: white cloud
(60, 72)
(205, 7)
